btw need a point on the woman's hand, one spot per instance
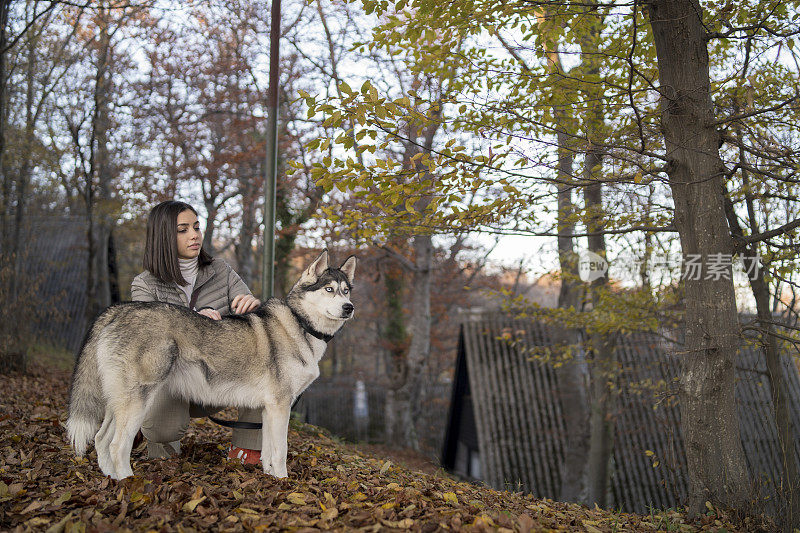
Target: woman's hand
(244, 303)
(211, 313)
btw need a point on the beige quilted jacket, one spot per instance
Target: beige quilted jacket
(217, 284)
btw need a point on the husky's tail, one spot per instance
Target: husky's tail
(86, 402)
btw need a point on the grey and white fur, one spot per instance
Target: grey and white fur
(263, 359)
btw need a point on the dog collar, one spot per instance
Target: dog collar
(308, 328)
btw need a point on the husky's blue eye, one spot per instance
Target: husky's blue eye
(345, 291)
(329, 289)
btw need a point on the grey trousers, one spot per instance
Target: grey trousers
(168, 418)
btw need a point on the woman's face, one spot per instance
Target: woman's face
(189, 235)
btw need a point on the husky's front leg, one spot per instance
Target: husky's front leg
(274, 439)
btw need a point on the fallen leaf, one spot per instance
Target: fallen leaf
(32, 507)
(64, 496)
(329, 514)
(590, 528)
(450, 497)
(405, 523)
(37, 521)
(296, 498)
(59, 526)
(192, 504)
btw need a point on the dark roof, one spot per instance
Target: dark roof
(515, 401)
(647, 418)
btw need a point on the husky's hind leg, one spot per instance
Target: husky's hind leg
(102, 441)
(86, 402)
(128, 418)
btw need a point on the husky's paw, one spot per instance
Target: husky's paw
(279, 473)
(106, 467)
(109, 473)
(121, 473)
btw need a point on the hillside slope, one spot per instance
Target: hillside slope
(332, 486)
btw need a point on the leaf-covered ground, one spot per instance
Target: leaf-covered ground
(332, 486)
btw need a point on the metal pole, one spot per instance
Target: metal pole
(268, 260)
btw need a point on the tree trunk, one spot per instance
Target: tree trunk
(211, 221)
(245, 255)
(113, 269)
(603, 365)
(399, 425)
(102, 236)
(715, 457)
(396, 345)
(24, 174)
(644, 268)
(285, 241)
(407, 366)
(10, 356)
(4, 177)
(789, 485)
(98, 186)
(419, 349)
(23, 178)
(572, 376)
(407, 393)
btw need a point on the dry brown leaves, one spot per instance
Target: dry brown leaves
(44, 487)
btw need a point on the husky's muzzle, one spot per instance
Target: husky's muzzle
(347, 310)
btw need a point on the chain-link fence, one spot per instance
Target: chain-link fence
(355, 410)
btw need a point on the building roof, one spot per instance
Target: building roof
(512, 401)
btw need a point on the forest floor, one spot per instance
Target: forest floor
(332, 485)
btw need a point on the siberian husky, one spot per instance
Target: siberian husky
(263, 359)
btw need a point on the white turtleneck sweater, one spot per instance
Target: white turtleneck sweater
(189, 272)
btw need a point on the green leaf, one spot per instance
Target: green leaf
(345, 88)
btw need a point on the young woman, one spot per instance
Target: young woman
(179, 271)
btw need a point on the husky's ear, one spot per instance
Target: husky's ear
(349, 268)
(319, 266)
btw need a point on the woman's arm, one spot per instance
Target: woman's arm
(240, 298)
(141, 292)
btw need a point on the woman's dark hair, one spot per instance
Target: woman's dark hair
(161, 247)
